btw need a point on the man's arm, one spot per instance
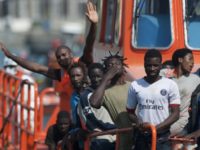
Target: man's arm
(173, 117)
(92, 15)
(41, 69)
(49, 139)
(193, 135)
(96, 98)
(133, 117)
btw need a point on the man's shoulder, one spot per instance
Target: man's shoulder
(52, 128)
(138, 81)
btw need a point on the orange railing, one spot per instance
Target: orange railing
(186, 143)
(20, 118)
(117, 132)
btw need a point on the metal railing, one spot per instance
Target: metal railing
(20, 118)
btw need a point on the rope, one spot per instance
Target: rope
(11, 109)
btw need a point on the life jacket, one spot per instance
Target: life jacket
(65, 89)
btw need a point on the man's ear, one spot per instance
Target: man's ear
(180, 60)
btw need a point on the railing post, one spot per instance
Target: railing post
(153, 135)
(23, 138)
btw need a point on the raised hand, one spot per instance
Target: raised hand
(91, 12)
(111, 73)
(4, 49)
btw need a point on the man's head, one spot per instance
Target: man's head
(78, 75)
(95, 72)
(115, 61)
(152, 63)
(63, 121)
(10, 66)
(184, 59)
(167, 69)
(167, 65)
(64, 56)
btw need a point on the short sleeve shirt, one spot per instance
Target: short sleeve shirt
(153, 100)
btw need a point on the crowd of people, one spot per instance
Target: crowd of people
(102, 99)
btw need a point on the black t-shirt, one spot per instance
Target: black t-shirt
(54, 136)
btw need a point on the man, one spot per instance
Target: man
(64, 57)
(157, 100)
(112, 93)
(96, 119)
(78, 77)
(183, 62)
(187, 82)
(62, 130)
(167, 69)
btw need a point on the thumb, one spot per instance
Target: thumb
(87, 15)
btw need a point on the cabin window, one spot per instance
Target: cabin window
(152, 25)
(192, 23)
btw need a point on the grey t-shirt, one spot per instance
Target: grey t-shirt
(186, 85)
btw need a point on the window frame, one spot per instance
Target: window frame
(186, 30)
(133, 37)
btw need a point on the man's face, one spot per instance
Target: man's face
(77, 76)
(63, 125)
(64, 57)
(115, 62)
(96, 77)
(187, 63)
(152, 67)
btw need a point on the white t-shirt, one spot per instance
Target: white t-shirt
(153, 100)
(101, 114)
(186, 85)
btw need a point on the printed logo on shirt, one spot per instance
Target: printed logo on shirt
(150, 104)
(163, 92)
(154, 107)
(87, 110)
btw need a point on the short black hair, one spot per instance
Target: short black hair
(63, 114)
(78, 65)
(152, 53)
(94, 66)
(180, 53)
(83, 67)
(168, 63)
(63, 47)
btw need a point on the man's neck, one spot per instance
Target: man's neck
(79, 90)
(152, 79)
(178, 72)
(118, 80)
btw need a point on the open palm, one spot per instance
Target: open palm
(92, 13)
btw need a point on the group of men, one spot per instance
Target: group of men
(102, 99)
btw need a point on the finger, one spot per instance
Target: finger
(95, 7)
(88, 7)
(92, 7)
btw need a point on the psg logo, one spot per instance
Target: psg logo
(163, 92)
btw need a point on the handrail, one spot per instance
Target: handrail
(153, 135)
(119, 131)
(20, 129)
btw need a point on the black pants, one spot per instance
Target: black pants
(143, 141)
(101, 144)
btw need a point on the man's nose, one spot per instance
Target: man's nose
(152, 67)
